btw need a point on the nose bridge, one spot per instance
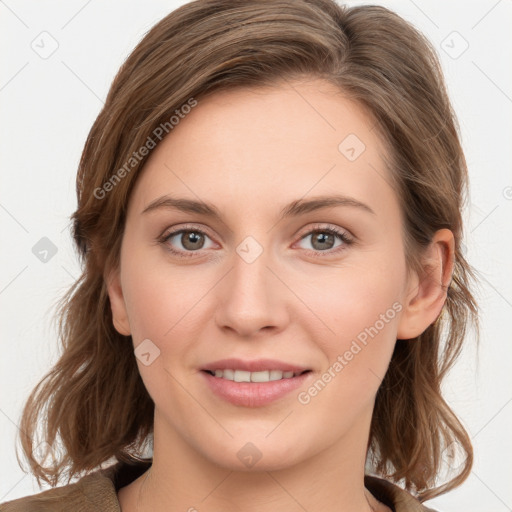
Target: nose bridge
(250, 296)
(250, 272)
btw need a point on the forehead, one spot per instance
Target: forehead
(271, 144)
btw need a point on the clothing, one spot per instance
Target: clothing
(97, 492)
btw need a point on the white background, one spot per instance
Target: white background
(49, 104)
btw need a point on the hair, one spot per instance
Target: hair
(93, 398)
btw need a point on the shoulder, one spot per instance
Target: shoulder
(91, 493)
(393, 496)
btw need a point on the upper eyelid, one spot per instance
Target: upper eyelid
(319, 226)
(171, 232)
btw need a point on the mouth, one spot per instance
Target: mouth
(260, 376)
(253, 383)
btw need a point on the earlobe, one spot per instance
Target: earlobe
(117, 304)
(427, 294)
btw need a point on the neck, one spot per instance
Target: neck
(181, 479)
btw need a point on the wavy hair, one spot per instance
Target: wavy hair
(93, 402)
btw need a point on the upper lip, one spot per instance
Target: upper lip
(256, 365)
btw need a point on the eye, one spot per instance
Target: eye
(323, 240)
(186, 240)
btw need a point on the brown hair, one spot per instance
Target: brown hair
(94, 398)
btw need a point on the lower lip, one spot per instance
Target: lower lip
(253, 394)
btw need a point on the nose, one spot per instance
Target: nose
(252, 300)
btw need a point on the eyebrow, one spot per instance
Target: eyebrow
(295, 208)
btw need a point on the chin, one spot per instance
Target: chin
(255, 453)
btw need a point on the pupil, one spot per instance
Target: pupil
(191, 239)
(322, 238)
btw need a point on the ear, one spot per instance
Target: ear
(427, 293)
(117, 304)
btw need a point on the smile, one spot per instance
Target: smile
(260, 376)
(243, 388)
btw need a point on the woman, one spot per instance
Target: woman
(269, 220)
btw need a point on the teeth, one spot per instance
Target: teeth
(227, 374)
(275, 375)
(262, 376)
(242, 376)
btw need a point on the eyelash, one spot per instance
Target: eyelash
(342, 235)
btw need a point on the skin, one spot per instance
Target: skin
(250, 152)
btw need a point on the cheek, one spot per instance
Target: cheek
(164, 306)
(351, 298)
(360, 306)
(161, 298)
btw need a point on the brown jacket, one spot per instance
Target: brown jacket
(97, 492)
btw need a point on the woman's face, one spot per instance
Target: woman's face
(302, 265)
